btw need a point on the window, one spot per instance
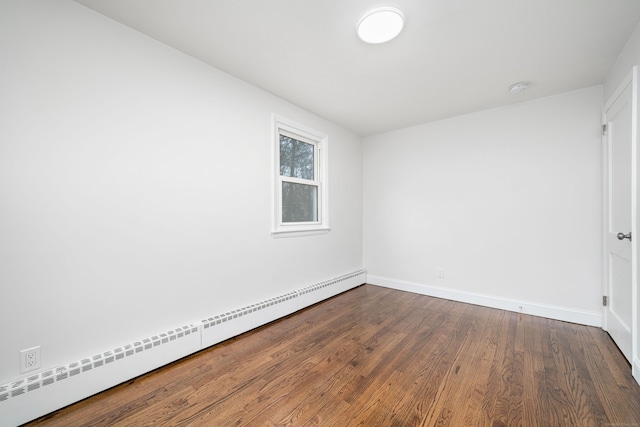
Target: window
(300, 183)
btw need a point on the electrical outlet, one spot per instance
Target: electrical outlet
(440, 272)
(29, 359)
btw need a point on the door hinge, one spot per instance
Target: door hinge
(605, 300)
(605, 129)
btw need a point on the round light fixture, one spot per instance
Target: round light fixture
(518, 87)
(381, 24)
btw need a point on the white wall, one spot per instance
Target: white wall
(135, 188)
(627, 59)
(507, 201)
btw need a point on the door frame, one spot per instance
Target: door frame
(630, 79)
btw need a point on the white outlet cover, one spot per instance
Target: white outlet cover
(29, 359)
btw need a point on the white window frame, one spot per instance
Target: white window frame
(320, 141)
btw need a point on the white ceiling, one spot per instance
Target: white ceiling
(453, 57)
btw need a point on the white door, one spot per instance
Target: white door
(617, 235)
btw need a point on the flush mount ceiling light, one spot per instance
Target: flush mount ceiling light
(518, 87)
(381, 24)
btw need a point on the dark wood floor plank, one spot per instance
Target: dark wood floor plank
(606, 367)
(495, 402)
(412, 364)
(474, 413)
(535, 400)
(481, 355)
(449, 409)
(425, 365)
(340, 360)
(375, 356)
(587, 397)
(270, 396)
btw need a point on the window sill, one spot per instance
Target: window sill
(299, 233)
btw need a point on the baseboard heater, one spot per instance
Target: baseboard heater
(35, 395)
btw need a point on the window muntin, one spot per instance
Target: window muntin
(300, 199)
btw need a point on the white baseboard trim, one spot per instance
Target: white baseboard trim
(52, 388)
(536, 309)
(635, 369)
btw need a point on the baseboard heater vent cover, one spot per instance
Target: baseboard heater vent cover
(61, 373)
(210, 331)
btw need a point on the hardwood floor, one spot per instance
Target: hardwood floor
(379, 357)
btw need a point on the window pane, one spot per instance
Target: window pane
(299, 202)
(296, 158)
